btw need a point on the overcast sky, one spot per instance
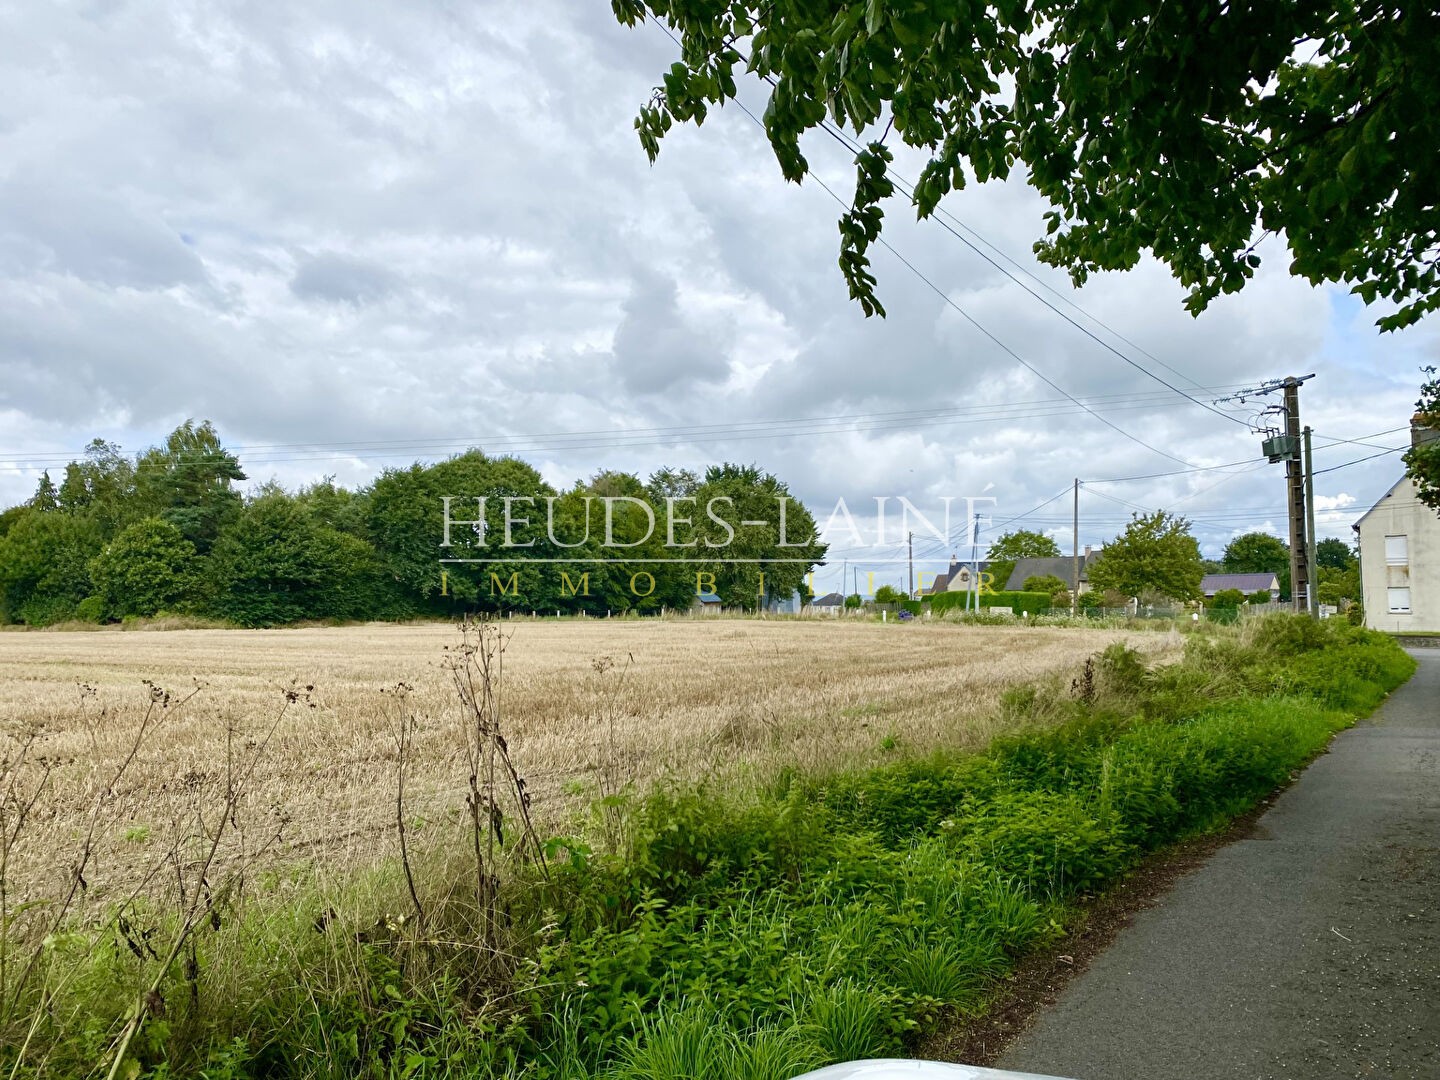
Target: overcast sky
(391, 230)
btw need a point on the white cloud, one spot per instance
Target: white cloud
(386, 225)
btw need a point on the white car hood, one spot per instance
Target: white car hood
(900, 1069)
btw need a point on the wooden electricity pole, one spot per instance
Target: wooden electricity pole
(1295, 498)
(1293, 448)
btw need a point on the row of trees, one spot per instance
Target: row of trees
(169, 531)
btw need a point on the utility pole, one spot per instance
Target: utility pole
(910, 546)
(975, 557)
(1295, 490)
(1299, 488)
(1313, 568)
(1075, 550)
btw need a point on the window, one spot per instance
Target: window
(1399, 600)
(1397, 551)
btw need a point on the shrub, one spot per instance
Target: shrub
(1048, 584)
(91, 609)
(148, 568)
(1260, 596)
(1032, 603)
(1228, 598)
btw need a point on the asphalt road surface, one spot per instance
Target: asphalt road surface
(1308, 949)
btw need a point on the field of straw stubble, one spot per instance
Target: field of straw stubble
(585, 704)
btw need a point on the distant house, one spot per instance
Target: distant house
(708, 603)
(829, 604)
(1060, 566)
(1249, 584)
(959, 578)
(1400, 556)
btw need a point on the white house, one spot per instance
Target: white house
(1400, 559)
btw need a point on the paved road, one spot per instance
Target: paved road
(1309, 949)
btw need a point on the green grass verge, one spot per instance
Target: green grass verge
(822, 919)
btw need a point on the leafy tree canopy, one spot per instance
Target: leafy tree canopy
(1010, 547)
(1257, 553)
(1334, 554)
(1229, 598)
(275, 564)
(43, 574)
(168, 531)
(1046, 583)
(188, 481)
(46, 498)
(1187, 130)
(888, 594)
(1337, 585)
(1422, 462)
(150, 567)
(1155, 554)
(784, 558)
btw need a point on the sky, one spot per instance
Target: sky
(358, 235)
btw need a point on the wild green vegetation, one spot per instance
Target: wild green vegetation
(697, 932)
(1422, 460)
(1031, 603)
(168, 532)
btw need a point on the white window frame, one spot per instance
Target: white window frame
(1397, 550)
(1392, 608)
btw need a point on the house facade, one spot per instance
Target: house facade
(959, 578)
(1400, 563)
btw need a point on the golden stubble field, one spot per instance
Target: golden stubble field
(725, 699)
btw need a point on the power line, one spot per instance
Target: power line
(975, 323)
(899, 415)
(1177, 472)
(1063, 491)
(1259, 460)
(965, 314)
(902, 185)
(1360, 441)
(1358, 461)
(907, 189)
(639, 437)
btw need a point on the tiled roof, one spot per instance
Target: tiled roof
(1210, 584)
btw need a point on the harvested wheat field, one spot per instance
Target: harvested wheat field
(585, 704)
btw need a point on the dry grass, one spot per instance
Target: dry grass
(685, 699)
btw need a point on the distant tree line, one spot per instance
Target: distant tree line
(169, 531)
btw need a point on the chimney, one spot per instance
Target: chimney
(1087, 551)
(1424, 428)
